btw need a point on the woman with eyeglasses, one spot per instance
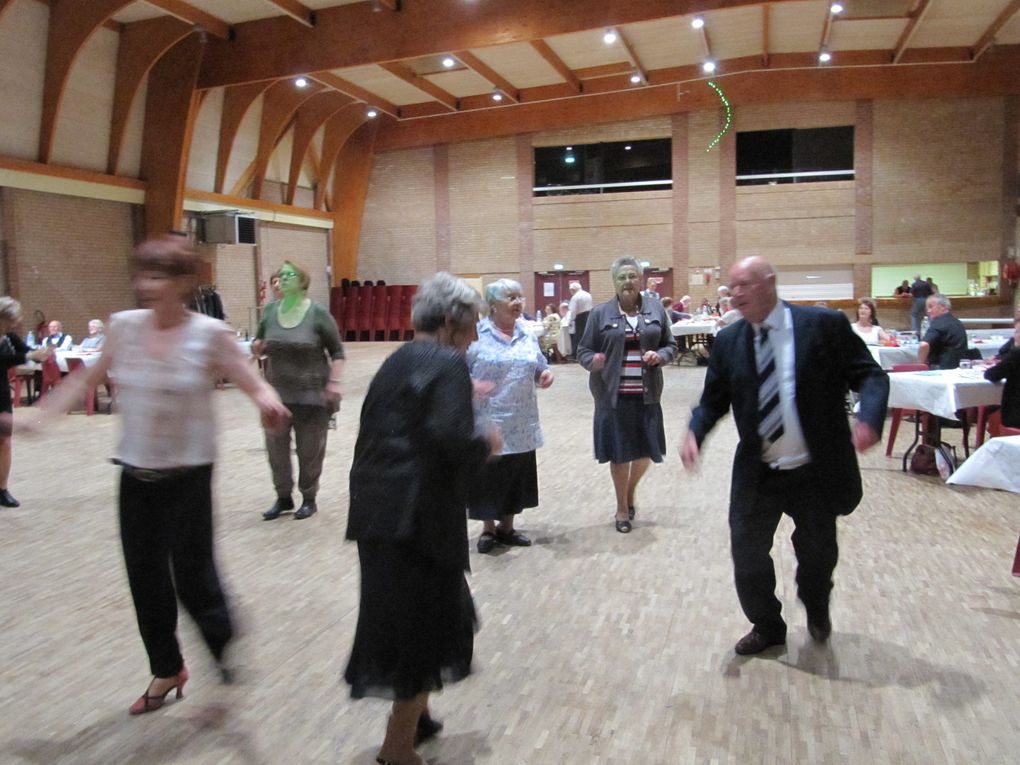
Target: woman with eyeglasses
(306, 359)
(624, 346)
(507, 366)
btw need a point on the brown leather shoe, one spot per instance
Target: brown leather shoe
(756, 642)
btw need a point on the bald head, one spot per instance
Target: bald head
(753, 288)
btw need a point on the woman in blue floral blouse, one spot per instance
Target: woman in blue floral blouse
(507, 366)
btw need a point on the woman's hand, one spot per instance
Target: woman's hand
(598, 361)
(40, 354)
(546, 378)
(495, 437)
(651, 358)
(332, 391)
(275, 416)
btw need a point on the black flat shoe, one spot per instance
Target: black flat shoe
(6, 500)
(427, 728)
(282, 505)
(756, 642)
(486, 542)
(307, 510)
(631, 512)
(623, 527)
(512, 539)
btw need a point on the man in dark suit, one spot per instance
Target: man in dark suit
(784, 370)
(945, 343)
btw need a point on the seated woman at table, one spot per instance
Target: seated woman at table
(551, 322)
(13, 352)
(867, 323)
(1009, 368)
(729, 315)
(94, 342)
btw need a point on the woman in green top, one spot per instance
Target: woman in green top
(306, 358)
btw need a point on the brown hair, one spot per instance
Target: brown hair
(303, 278)
(170, 255)
(871, 305)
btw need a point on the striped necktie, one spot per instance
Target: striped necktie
(770, 414)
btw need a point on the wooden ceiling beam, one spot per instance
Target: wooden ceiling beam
(354, 91)
(393, 5)
(765, 45)
(632, 56)
(411, 77)
(281, 102)
(237, 99)
(71, 25)
(986, 39)
(4, 5)
(564, 71)
(350, 190)
(706, 43)
(745, 82)
(271, 48)
(310, 117)
(826, 30)
(141, 45)
(916, 17)
(186, 12)
(495, 79)
(297, 11)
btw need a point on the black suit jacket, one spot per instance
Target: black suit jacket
(1008, 368)
(829, 358)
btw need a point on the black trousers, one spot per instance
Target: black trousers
(580, 322)
(752, 529)
(167, 535)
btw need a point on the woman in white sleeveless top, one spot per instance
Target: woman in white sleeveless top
(165, 360)
(867, 326)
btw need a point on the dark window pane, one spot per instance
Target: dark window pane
(767, 152)
(598, 164)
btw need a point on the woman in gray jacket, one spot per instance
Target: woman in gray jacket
(625, 344)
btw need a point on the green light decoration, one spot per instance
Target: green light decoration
(729, 116)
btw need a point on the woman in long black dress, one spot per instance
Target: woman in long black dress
(417, 448)
(12, 353)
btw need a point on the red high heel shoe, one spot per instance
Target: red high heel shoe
(147, 703)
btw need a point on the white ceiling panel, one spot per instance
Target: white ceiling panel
(461, 83)
(667, 43)
(584, 49)
(1010, 34)
(137, 12)
(952, 23)
(796, 27)
(735, 33)
(520, 63)
(874, 34)
(383, 84)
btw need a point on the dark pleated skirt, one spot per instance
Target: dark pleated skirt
(416, 625)
(630, 432)
(504, 487)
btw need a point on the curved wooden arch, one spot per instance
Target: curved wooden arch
(310, 117)
(72, 23)
(141, 45)
(350, 189)
(282, 100)
(237, 99)
(338, 130)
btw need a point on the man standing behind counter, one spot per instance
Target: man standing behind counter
(784, 369)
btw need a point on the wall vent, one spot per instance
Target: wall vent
(228, 228)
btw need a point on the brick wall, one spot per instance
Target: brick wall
(308, 247)
(67, 256)
(233, 274)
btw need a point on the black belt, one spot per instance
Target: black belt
(152, 475)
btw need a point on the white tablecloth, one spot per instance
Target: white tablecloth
(942, 391)
(62, 357)
(689, 327)
(888, 357)
(993, 466)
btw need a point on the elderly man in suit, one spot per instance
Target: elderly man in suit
(784, 370)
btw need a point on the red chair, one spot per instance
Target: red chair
(336, 307)
(365, 313)
(897, 413)
(352, 303)
(406, 298)
(15, 381)
(1016, 560)
(380, 312)
(394, 293)
(995, 427)
(50, 375)
(74, 365)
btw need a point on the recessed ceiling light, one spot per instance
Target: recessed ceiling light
(609, 37)
(836, 7)
(635, 78)
(812, 276)
(449, 62)
(627, 147)
(825, 57)
(497, 96)
(371, 114)
(301, 82)
(697, 22)
(708, 67)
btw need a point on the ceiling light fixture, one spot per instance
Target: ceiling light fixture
(497, 96)
(825, 57)
(635, 78)
(301, 82)
(449, 62)
(558, 266)
(836, 7)
(627, 147)
(697, 22)
(609, 37)
(371, 114)
(708, 67)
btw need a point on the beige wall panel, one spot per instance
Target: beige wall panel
(803, 200)
(23, 42)
(798, 240)
(246, 144)
(82, 137)
(483, 183)
(794, 115)
(72, 257)
(594, 248)
(233, 268)
(131, 148)
(205, 143)
(703, 168)
(278, 168)
(655, 127)
(636, 209)
(938, 179)
(398, 235)
(307, 247)
(483, 248)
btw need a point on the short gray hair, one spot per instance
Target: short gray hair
(724, 302)
(445, 297)
(97, 323)
(620, 262)
(10, 309)
(942, 300)
(499, 289)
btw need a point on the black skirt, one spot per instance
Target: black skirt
(631, 431)
(504, 487)
(416, 625)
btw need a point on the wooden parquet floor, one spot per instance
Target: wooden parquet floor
(595, 647)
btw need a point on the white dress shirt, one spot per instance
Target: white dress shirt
(790, 450)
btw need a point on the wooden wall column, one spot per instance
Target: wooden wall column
(526, 217)
(350, 188)
(171, 105)
(727, 201)
(681, 206)
(864, 158)
(1010, 190)
(441, 195)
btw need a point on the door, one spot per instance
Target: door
(663, 279)
(553, 288)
